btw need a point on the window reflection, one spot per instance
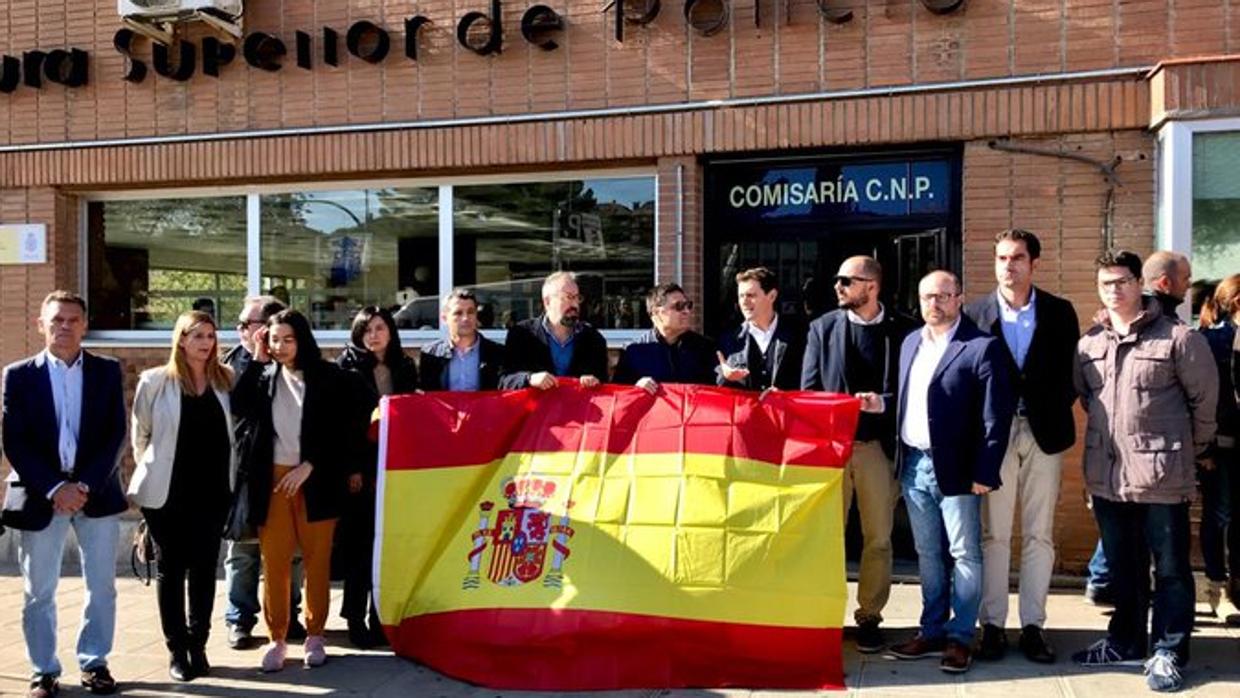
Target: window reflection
(509, 236)
(334, 252)
(151, 260)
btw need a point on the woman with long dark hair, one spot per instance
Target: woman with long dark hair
(375, 354)
(182, 438)
(310, 424)
(1220, 475)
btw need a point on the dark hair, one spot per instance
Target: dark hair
(392, 356)
(62, 296)
(1032, 245)
(765, 278)
(657, 297)
(458, 294)
(308, 352)
(1119, 258)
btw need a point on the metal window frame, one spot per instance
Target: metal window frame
(253, 194)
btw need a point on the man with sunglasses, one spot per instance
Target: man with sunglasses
(242, 564)
(1150, 389)
(856, 349)
(671, 352)
(1038, 331)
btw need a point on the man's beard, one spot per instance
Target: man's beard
(852, 303)
(569, 321)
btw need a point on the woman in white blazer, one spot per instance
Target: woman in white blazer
(182, 435)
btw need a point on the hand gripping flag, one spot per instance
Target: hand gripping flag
(581, 539)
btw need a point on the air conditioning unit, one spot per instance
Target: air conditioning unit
(171, 9)
(159, 19)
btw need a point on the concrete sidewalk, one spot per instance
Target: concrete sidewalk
(139, 660)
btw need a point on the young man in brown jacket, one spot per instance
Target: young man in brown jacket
(1150, 392)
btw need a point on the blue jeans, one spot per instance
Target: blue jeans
(40, 554)
(1133, 534)
(241, 570)
(947, 532)
(1099, 570)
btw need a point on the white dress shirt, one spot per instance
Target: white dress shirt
(67, 395)
(858, 320)
(763, 337)
(915, 425)
(286, 409)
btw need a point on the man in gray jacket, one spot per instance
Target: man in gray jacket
(1150, 391)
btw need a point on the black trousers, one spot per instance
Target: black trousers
(187, 546)
(355, 541)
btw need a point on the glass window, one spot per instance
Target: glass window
(1216, 205)
(151, 260)
(333, 252)
(509, 236)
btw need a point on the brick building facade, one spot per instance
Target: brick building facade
(1078, 119)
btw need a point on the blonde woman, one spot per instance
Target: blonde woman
(183, 447)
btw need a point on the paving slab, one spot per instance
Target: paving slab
(140, 662)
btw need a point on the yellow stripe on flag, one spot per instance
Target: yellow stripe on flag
(691, 536)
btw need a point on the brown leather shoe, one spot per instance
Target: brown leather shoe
(956, 658)
(45, 686)
(917, 648)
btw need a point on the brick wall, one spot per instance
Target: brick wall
(889, 42)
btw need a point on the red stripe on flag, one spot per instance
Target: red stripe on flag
(441, 430)
(574, 650)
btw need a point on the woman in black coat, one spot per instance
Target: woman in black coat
(309, 424)
(375, 354)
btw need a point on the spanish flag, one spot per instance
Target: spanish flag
(581, 539)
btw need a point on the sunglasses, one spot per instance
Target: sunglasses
(847, 281)
(680, 306)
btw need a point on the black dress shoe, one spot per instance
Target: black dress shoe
(296, 631)
(239, 638)
(870, 638)
(993, 644)
(1033, 643)
(98, 681)
(178, 666)
(198, 664)
(359, 634)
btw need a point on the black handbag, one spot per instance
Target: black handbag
(142, 553)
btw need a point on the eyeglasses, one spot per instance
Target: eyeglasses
(680, 306)
(847, 281)
(1117, 284)
(937, 297)
(249, 323)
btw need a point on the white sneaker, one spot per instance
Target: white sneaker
(316, 651)
(273, 657)
(1161, 672)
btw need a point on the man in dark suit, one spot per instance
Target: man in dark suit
(1038, 331)
(64, 427)
(557, 343)
(465, 360)
(671, 352)
(856, 349)
(767, 349)
(953, 416)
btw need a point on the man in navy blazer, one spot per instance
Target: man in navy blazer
(953, 416)
(64, 428)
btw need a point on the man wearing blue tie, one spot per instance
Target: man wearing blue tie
(64, 427)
